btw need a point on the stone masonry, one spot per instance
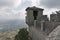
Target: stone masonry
(40, 27)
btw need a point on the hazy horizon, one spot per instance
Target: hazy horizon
(14, 10)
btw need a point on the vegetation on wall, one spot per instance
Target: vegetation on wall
(22, 34)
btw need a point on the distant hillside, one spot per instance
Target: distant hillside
(11, 24)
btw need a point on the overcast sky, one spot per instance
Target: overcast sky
(15, 9)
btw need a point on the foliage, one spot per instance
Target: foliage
(22, 34)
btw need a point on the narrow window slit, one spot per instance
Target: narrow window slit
(35, 14)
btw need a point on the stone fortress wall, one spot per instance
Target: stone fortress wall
(39, 25)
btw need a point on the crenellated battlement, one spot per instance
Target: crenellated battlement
(36, 19)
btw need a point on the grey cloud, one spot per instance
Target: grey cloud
(6, 3)
(23, 5)
(50, 3)
(8, 11)
(9, 14)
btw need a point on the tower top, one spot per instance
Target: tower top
(34, 8)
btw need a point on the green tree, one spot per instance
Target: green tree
(22, 34)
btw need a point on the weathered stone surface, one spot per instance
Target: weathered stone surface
(40, 28)
(55, 34)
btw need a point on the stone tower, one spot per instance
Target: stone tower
(40, 28)
(35, 20)
(33, 13)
